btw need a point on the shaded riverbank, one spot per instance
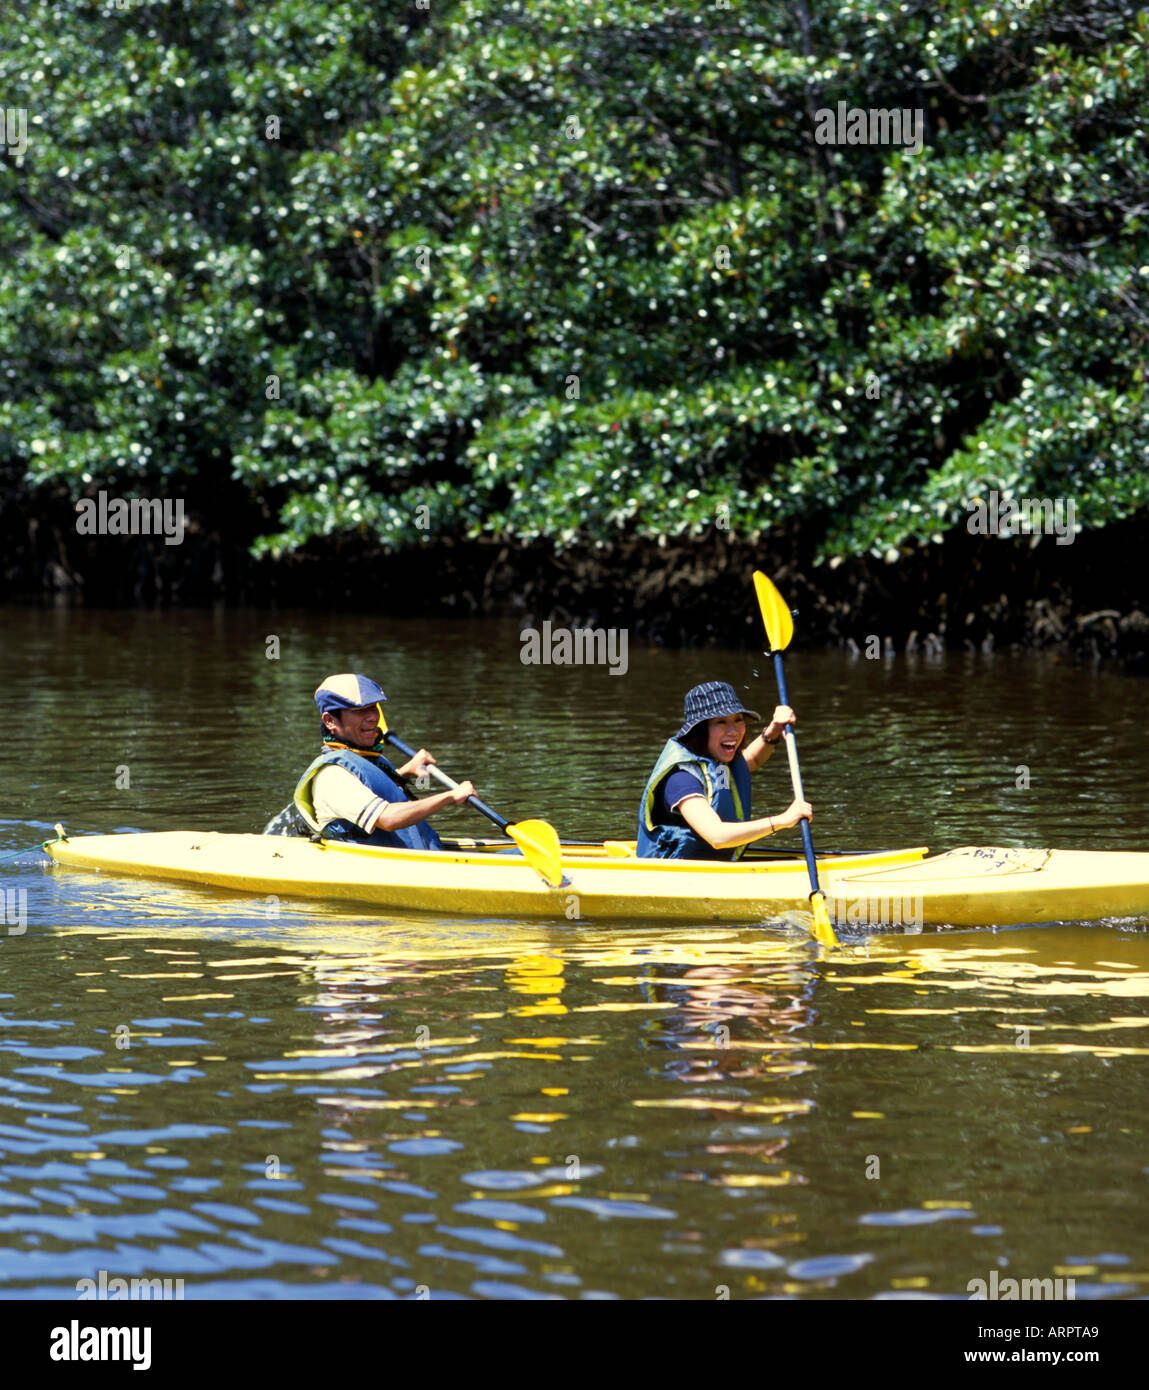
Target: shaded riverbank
(1088, 598)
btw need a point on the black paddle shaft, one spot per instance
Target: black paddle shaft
(480, 806)
(807, 838)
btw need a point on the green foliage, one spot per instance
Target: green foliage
(578, 271)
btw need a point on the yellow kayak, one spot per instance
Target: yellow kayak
(879, 889)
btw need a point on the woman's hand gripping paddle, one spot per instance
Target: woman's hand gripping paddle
(537, 839)
(779, 627)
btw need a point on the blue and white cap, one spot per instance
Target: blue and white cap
(347, 692)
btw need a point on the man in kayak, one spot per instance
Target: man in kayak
(696, 803)
(351, 791)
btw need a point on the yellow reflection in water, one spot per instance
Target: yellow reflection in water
(747, 1107)
(537, 974)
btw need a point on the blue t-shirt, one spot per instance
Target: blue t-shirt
(675, 788)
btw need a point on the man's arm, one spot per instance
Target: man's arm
(340, 795)
(398, 815)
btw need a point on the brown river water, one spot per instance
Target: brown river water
(317, 1099)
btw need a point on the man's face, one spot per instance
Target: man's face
(358, 727)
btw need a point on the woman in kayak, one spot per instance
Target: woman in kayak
(696, 803)
(351, 791)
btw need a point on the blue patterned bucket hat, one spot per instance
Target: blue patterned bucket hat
(713, 700)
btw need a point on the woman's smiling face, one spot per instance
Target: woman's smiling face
(724, 736)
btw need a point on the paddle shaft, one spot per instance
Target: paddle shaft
(796, 775)
(441, 777)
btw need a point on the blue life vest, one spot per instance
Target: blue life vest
(725, 785)
(378, 776)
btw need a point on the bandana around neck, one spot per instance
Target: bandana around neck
(377, 749)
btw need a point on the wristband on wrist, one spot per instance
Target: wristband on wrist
(770, 741)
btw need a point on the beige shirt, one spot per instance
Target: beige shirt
(340, 795)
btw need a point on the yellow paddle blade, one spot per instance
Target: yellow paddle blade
(539, 842)
(776, 617)
(382, 721)
(823, 930)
